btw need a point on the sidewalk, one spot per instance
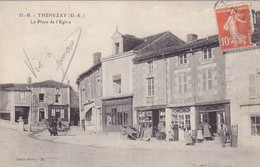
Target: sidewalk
(115, 140)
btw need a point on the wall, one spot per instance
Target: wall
(239, 67)
(140, 75)
(120, 65)
(193, 68)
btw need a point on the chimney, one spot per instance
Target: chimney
(29, 80)
(96, 57)
(192, 37)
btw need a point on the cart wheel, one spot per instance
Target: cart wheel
(63, 132)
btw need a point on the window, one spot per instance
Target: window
(183, 59)
(53, 112)
(255, 125)
(116, 48)
(207, 81)
(57, 98)
(88, 115)
(204, 117)
(117, 115)
(117, 84)
(183, 120)
(207, 53)
(150, 67)
(62, 113)
(41, 97)
(183, 83)
(150, 82)
(21, 95)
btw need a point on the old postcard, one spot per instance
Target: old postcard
(130, 83)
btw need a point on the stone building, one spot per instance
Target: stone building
(243, 89)
(90, 92)
(51, 98)
(15, 101)
(189, 82)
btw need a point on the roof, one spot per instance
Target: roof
(14, 87)
(151, 39)
(87, 71)
(214, 39)
(49, 83)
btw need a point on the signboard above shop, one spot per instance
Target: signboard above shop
(235, 27)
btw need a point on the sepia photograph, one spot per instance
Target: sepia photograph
(130, 83)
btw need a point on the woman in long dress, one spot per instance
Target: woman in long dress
(207, 134)
(187, 136)
(200, 133)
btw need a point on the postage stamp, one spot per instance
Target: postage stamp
(235, 27)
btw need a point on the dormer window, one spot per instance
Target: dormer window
(207, 53)
(117, 48)
(183, 59)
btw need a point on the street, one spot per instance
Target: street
(20, 149)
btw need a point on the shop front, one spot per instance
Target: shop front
(214, 114)
(149, 119)
(22, 111)
(58, 111)
(181, 119)
(117, 112)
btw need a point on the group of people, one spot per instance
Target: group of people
(203, 133)
(54, 125)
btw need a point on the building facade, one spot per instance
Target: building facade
(150, 81)
(15, 102)
(90, 92)
(243, 89)
(117, 98)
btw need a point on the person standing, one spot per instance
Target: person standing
(187, 136)
(207, 134)
(175, 131)
(223, 134)
(200, 133)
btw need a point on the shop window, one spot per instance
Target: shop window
(117, 116)
(145, 119)
(62, 113)
(53, 112)
(5, 116)
(183, 59)
(207, 53)
(150, 67)
(182, 119)
(41, 97)
(150, 82)
(21, 95)
(255, 125)
(204, 117)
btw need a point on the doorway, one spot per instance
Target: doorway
(22, 112)
(211, 119)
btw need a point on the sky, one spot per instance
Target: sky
(28, 43)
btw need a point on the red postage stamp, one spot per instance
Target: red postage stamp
(235, 27)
